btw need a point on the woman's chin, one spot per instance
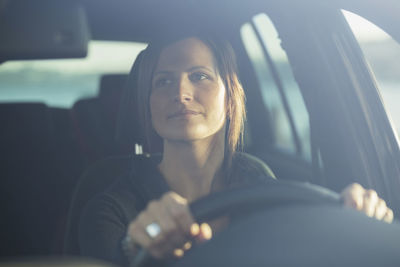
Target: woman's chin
(185, 136)
(189, 134)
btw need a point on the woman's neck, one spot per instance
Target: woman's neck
(193, 169)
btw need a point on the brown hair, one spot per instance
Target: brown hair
(226, 63)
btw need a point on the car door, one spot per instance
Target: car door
(385, 16)
(332, 127)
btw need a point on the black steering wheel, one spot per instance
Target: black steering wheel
(252, 198)
(270, 194)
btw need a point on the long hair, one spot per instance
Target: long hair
(226, 62)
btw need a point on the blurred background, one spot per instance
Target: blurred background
(381, 52)
(62, 82)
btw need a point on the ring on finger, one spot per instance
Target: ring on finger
(153, 230)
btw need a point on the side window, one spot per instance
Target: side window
(382, 54)
(280, 92)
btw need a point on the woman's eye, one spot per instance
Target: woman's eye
(199, 76)
(162, 82)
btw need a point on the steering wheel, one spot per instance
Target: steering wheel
(252, 198)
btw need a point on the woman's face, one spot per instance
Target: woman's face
(188, 97)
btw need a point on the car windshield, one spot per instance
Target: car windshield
(311, 111)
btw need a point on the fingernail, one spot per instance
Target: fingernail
(194, 229)
(178, 253)
(206, 230)
(187, 246)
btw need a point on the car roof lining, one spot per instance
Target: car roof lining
(140, 21)
(109, 19)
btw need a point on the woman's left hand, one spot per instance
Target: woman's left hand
(367, 201)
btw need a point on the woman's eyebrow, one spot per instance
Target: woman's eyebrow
(202, 67)
(162, 72)
(159, 72)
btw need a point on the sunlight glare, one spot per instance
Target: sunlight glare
(365, 31)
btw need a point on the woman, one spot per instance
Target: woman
(191, 98)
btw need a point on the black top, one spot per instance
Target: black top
(105, 218)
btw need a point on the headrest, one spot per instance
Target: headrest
(110, 95)
(128, 130)
(112, 85)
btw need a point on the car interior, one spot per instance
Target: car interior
(55, 158)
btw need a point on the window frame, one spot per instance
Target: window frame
(357, 143)
(347, 96)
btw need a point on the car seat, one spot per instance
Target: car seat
(94, 180)
(94, 119)
(32, 180)
(102, 173)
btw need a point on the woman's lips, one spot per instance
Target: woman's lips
(183, 113)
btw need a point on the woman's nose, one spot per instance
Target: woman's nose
(184, 91)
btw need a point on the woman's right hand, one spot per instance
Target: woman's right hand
(177, 227)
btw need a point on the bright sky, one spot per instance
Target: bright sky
(103, 57)
(364, 30)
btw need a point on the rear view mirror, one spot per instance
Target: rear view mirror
(42, 29)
